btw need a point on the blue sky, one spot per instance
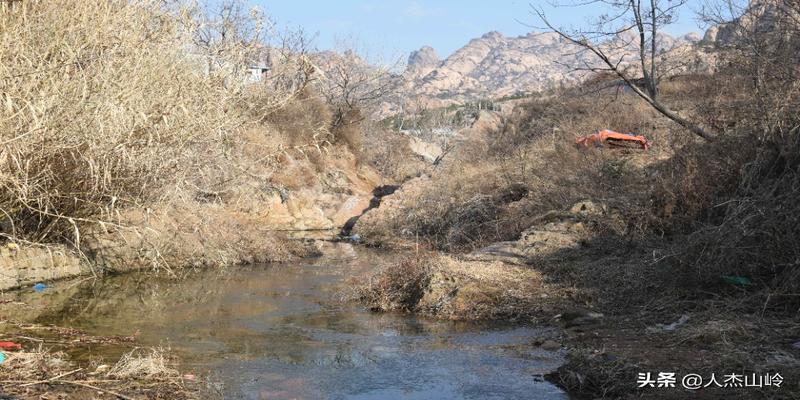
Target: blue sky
(393, 28)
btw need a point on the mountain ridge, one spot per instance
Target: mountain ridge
(495, 66)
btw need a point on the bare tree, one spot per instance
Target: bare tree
(227, 34)
(644, 19)
(758, 43)
(352, 81)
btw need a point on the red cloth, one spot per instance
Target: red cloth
(10, 346)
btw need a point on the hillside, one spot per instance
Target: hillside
(495, 66)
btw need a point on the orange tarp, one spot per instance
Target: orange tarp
(601, 137)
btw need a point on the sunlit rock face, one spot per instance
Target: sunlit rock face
(495, 66)
(422, 62)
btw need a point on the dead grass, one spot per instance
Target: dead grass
(498, 179)
(34, 374)
(114, 116)
(390, 154)
(33, 365)
(190, 235)
(445, 287)
(396, 288)
(143, 363)
(102, 110)
(595, 374)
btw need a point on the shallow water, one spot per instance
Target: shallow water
(277, 331)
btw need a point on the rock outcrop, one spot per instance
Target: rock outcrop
(422, 62)
(495, 66)
(553, 231)
(761, 19)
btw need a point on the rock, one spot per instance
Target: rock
(669, 327)
(574, 318)
(692, 37)
(422, 62)
(760, 17)
(352, 206)
(550, 345)
(587, 208)
(494, 66)
(554, 231)
(430, 152)
(30, 265)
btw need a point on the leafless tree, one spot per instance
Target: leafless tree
(604, 38)
(227, 34)
(758, 44)
(352, 81)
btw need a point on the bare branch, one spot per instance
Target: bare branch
(647, 22)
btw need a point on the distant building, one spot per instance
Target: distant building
(255, 73)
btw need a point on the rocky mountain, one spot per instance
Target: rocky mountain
(422, 62)
(495, 66)
(760, 20)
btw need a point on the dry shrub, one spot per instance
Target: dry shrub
(496, 182)
(348, 130)
(595, 375)
(753, 232)
(697, 178)
(446, 287)
(108, 106)
(302, 121)
(396, 288)
(738, 198)
(296, 174)
(33, 365)
(390, 154)
(102, 108)
(139, 363)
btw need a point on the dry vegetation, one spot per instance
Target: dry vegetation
(128, 132)
(102, 110)
(445, 287)
(41, 372)
(699, 228)
(131, 132)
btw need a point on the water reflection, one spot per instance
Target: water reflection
(278, 332)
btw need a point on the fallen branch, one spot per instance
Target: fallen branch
(51, 379)
(86, 385)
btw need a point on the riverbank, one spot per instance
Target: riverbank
(608, 341)
(282, 331)
(678, 259)
(42, 368)
(621, 314)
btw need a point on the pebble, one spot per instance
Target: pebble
(550, 345)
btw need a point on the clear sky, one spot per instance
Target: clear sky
(393, 28)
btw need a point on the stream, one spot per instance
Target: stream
(280, 331)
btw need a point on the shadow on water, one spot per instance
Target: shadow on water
(277, 331)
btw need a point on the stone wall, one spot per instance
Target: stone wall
(23, 266)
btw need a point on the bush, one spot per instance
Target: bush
(750, 230)
(102, 108)
(396, 288)
(109, 106)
